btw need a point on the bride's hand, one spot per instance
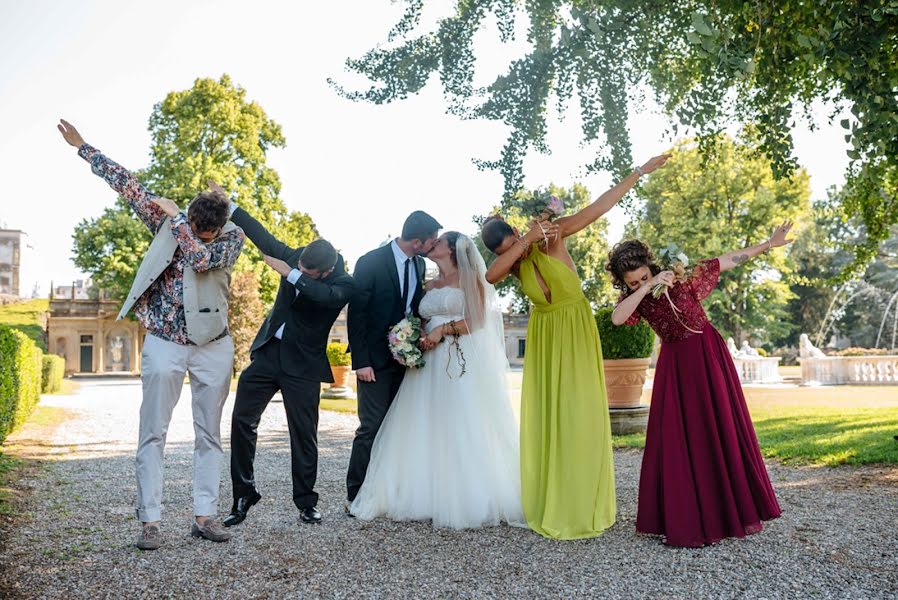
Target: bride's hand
(432, 339)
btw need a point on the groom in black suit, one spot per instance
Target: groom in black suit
(389, 284)
(288, 354)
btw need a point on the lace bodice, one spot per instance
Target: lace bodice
(441, 305)
(687, 296)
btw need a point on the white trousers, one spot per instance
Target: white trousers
(163, 367)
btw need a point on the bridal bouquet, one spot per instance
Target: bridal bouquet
(673, 259)
(539, 204)
(403, 341)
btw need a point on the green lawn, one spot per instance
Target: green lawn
(27, 317)
(821, 426)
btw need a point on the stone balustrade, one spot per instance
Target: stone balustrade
(758, 369)
(849, 370)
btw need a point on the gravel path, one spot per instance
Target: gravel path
(837, 537)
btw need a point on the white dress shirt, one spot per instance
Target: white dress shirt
(401, 257)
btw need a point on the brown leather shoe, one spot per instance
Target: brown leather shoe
(149, 538)
(210, 530)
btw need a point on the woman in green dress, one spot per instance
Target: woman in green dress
(567, 473)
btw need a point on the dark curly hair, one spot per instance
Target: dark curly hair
(209, 211)
(628, 256)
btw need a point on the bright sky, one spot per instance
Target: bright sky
(357, 169)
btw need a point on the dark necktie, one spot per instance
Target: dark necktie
(405, 286)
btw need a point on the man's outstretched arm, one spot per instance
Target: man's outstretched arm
(119, 178)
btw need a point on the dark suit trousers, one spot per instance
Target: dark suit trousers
(257, 384)
(375, 398)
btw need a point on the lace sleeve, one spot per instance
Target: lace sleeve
(705, 278)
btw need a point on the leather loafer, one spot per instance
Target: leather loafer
(310, 515)
(240, 508)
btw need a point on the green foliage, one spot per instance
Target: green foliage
(862, 352)
(245, 314)
(623, 341)
(52, 372)
(29, 317)
(337, 355)
(210, 131)
(20, 378)
(588, 249)
(709, 210)
(110, 247)
(708, 63)
(855, 308)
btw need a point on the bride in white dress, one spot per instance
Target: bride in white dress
(448, 449)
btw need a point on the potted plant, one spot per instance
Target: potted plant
(626, 352)
(340, 361)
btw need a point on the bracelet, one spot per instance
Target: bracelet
(521, 242)
(639, 170)
(769, 246)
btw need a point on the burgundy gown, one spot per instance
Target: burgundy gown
(702, 476)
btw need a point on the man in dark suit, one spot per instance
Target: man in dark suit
(288, 354)
(389, 284)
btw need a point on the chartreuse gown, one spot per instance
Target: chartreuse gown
(567, 471)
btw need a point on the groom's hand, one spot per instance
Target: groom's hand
(365, 374)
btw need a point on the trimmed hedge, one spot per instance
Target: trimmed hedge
(337, 355)
(20, 378)
(52, 372)
(623, 341)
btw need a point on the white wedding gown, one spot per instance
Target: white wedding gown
(448, 449)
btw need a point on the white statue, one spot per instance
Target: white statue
(116, 347)
(806, 349)
(747, 350)
(731, 346)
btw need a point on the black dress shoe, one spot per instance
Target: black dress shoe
(240, 508)
(310, 515)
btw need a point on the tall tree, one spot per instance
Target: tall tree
(588, 248)
(708, 62)
(710, 209)
(855, 309)
(210, 131)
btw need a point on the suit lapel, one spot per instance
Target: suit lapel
(390, 264)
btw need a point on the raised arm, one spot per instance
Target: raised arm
(261, 237)
(571, 224)
(731, 260)
(505, 262)
(626, 307)
(118, 178)
(220, 253)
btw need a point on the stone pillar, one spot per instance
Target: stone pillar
(135, 353)
(100, 345)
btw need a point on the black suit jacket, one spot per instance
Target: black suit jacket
(308, 315)
(377, 306)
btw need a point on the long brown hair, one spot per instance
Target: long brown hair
(628, 256)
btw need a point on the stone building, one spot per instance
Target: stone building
(515, 337)
(85, 333)
(12, 243)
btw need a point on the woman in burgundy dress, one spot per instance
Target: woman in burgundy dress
(702, 476)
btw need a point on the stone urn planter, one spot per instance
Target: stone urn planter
(341, 375)
(626, 352)
(624, 379)
(340, 362)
